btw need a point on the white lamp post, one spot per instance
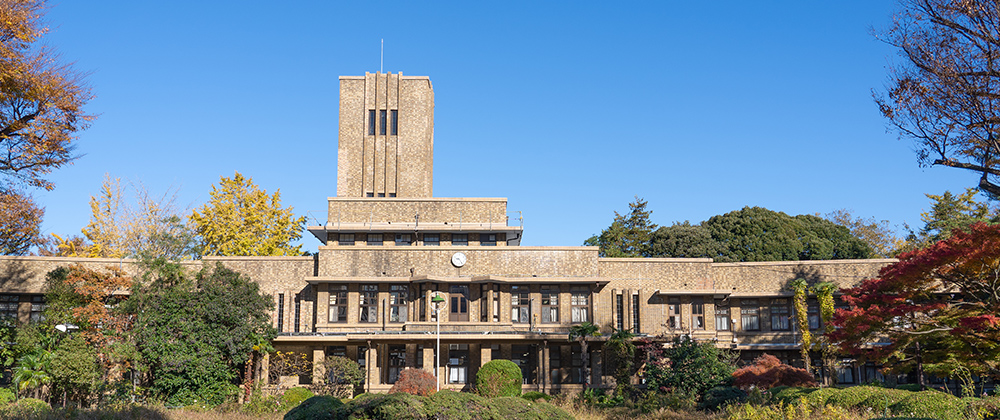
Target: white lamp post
(437, 300)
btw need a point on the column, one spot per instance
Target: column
(428, 355)
(322, 305)
(544, 376)
(319, 370)
(265, 369)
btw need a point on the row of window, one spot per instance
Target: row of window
(383, 115)
(750, 315)
(405, 239)
(458, 308)
(9, 307)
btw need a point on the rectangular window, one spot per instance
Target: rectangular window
(403, 239)
(487, 239)
(369, 303)
(845, 372)
(381, 122)
(780, 315)
(635, 314)
(580, 305)
(459, 303)
(813, 310)
(381, 194)
(721, 315)
(550, 304)
(397, 302)
(298, 313)
(8, 306)
(397, 362)
(458, 363)
(338, 303)
(371, 122)
(432, 239)
(281, 312)
(674, 313)
(697, 313)
(461, 239)
(576, 364)
(520, 299)
(620, 311)
(484, 302)
(38, 307)
(750, 312)
(422, 297)
(371, 194)
(394, 128)
(346, 239)
(374, 239)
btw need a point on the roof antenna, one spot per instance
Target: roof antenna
(381, 56)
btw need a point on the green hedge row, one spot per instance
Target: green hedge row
(894, 402)
(443, 405)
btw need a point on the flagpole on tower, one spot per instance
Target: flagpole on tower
(381, 56)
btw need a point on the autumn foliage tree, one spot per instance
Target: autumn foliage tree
(768, 372)
(242, 219)
(938, 306)
(20, 221)
(943, 94)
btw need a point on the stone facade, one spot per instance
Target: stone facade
(389, 248)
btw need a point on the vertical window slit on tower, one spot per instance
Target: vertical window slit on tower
(394, 128)
(371, 122)
(281, 312)
(381, 122)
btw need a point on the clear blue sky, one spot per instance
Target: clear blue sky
(569, 109)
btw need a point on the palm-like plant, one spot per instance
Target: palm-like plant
(580, 332)
(31, 372)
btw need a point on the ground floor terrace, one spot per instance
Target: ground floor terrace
(549, 363)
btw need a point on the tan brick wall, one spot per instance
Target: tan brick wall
(386, 164)
(767, 277)
(431, 210)
(436, 261)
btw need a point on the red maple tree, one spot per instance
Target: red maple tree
(936, 306)
(768, 372)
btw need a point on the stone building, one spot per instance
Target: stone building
(390, 247)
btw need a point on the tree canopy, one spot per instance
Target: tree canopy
(943, 93)
(628, 235)
(759, 234)
(936, 306)
(41, 100)
(20, 223)
(242, 219)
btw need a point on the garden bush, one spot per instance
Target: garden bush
(791, 394)
(983, 408)
(415, 382)
(934, 404)
(499, 378)
(343, 375)
(720, 396)
(535, 396)
(444, 405)
(318, 407)
(768, 372)
(26, 408)
(881, 400)
(820, 397)
(296, 396)
(909, 387)
(853, 396)
(6, 396)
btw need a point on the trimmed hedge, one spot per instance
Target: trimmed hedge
(318, 407)
(934, 404)
(535, 395)
(296, 396)
(499, 378)
(720, 396)
(444, 405)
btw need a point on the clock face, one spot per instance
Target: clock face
(458, 259)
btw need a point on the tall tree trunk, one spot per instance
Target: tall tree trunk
(586, 362)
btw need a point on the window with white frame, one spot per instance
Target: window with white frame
(8, 306)
(550, 304)
(368, 303)
(673, 313)
(750, 313)
(780, 312)
(520, 301)
(397, 302)
(338, 303)
(579, 305)
(345, 239)
(697, 313)
(721, 315)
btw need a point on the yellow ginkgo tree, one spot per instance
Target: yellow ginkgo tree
(241, 219)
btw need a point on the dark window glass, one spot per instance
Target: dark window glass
(520, 299)
(674, 313)
(281, 312)
(460, 239)
(780, 315)
(550, 304)
(432, 239)
(338, 303)
(721, 315)
(620, 311)
(397, 302)
(8, 306)
(698, 313)
(750, 311)
(395, 122)
(346, 239)
(369, 303)
(381, 122)
(374, 239)
(487, 239)
(371, 122)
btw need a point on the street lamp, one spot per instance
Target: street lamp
(437, 300)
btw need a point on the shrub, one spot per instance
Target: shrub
(791, 394)
(258, 405)
(721, 396)
(444, 405)
(535, 396)
(295, 396)
(932, 404)
(27, 408)
(343, 376)
(6, 396)
(983, 408)
(513, 408)
(690, 367)
(909, 387)
(768, 372)
(318, 407)
(819, 397)
(882, 399)
(399, 405)
(415, 382)
(499, 378)
(853, 396)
